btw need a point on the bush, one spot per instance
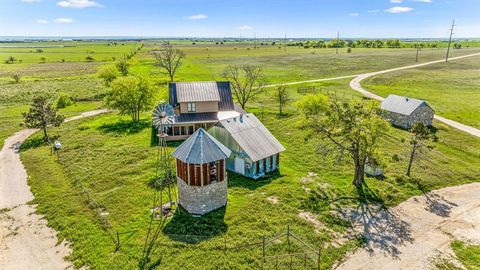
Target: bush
(39, 50)
(64, 101)
(89, 58)
(16, 77)
(349, 50)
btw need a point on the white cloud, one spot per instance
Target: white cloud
(78, 4)
(373, 10)
(423, 1)
(396, 1)
(354, 14)
(245, 28)
(398, 9)
(64, 20)
(30, 1)
(41, 21)
(197, 17)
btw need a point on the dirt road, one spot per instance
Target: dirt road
(355, 85)
(415, 232)
(26, 242)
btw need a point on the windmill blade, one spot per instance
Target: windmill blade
(163, 116)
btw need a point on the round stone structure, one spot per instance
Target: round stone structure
(201, 173)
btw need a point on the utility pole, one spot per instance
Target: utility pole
(338, 38)
(416, 58)
(285, 43)
(254, 41)
(450, 40)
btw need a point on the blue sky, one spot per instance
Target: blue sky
(235, 18)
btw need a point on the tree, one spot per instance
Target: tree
(122, 67)
(41, 115)
(43, 59)
(247, 81)
(282, 96)
(16, 77)
(421, 134)
(353, 128)
(169, 59)
(89, 58)
(108, 74)
(10, 60)
(130, 95)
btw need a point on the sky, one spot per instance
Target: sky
(241, 18)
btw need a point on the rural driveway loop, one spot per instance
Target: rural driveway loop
(26, 242)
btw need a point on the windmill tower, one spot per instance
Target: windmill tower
(201, 174)
(163, 118)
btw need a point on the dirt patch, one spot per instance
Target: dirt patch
(413, 234)
(311, 218)
(273, 199)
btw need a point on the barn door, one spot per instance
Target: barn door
(239, 165)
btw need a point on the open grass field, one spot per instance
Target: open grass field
(115, 164)
(452, 89)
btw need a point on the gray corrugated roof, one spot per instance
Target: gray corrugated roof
(401, 105)
(198, 91)
(196, 117)
(202, 91)
(201, 148)
(252, 136)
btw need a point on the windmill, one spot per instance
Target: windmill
(163, 118)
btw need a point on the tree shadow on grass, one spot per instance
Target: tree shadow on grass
(183, 227)
(237, 180)
(435, 203)
(125, 127)
(32, 143)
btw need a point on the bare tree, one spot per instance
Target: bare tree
(421, 135)
(169, 59)
(247, 81)
(282, 96)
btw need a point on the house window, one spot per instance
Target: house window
(191, 107)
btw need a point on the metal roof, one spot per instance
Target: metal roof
(201, 148)
(402, 105)
(196, 117)
(200, 92)
(252, 136)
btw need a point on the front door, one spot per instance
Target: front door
(239, 165)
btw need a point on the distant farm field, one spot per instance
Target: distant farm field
(452, 89)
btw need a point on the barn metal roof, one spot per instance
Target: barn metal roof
(402, 105)
(252, 136)
(201, 148)
(200, 92)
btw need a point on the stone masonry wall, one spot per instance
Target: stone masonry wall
(201, 200)
(421, 114)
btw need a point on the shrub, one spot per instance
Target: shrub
(39, 51)
(63, 101)
(349, 50)
(16, 77)
(43, 59)
(89, 58)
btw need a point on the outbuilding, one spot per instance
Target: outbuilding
(255, 151)
(404, 111)
(201, 175)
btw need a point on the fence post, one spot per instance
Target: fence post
(318, 261)
(263, 248)
(291, 261)
(225, 244)
(117, 248)
(288, 235)
(305, 260)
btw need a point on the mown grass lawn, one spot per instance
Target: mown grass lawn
(115, 164)
(452, 89)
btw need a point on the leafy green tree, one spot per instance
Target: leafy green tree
(64, 100)
(108, 74)
(282, 96)
(89, 58)
(352, 127)
(122, 67)
(43, 59)
(130, 95)
(247, 81)
(421, 135)
(41, 115)
(10, 60)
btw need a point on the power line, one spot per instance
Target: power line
(450, 40)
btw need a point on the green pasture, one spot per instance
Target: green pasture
(452, 89)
